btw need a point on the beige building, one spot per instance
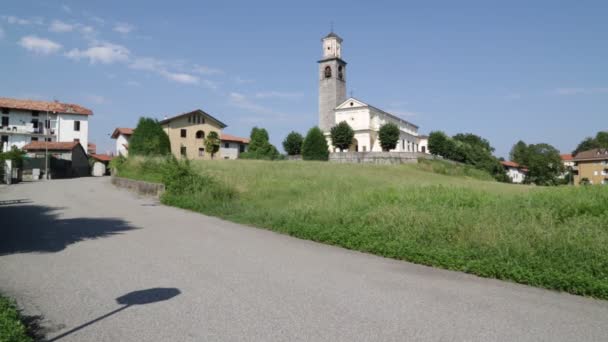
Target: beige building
(592, 165)
(187, 134)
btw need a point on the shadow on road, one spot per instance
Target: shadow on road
(33, 228)
(141, 297)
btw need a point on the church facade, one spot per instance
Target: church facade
(365, 119)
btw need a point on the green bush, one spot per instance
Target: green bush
(342, 135)
(11, 327)
(389, 136)
(259, 146)
(149, 139)
(293, 143)
(315, 145)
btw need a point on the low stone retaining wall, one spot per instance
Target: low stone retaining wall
(141, 187)
(377, 157)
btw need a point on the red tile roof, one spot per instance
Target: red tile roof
(228, 137)
(123, 131)
(91, 148)
(566, 157)
(509, 164)
(594, 154)
(102, 157)
(51, 146)
(44, 106)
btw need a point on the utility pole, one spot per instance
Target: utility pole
(46, 145)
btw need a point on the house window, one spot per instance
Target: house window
(48, 139)
(5, 121)
(35, 123)
(189, 119)
(35, 113)
(226, 145)
(5, 110)
(77, 126)
(4, 139)
(77, 140)
(182, 151)
(200, 135)
(242, 148)
(423, 149)
(182, 133)
(201, 151)
(34, 138)
(199, 119)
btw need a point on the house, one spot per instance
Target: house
(365, 119)
(423, 144)
(592, 166)
(122, 136)
(100, 165)
(91, 148)
(65, 159)
(232, 146)
(516, 172)
(187, 134)
(569, 165)
(28, 121)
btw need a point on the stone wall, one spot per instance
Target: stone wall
(377, 157)
(141, 187)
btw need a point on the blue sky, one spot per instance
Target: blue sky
(530, 70)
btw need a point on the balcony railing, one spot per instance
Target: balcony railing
(26, 130)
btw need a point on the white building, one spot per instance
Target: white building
(122, 136)
(24, 121)
(516, 172)
(364, 119)
(231, 146)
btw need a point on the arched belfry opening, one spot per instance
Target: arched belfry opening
(327, 71)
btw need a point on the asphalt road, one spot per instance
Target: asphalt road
(95, 263)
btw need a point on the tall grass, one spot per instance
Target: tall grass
(11, 327)
(549, 237)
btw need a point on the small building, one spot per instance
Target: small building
(516, 172)
(100, 165)
(122, 136)
(66, 159)
(232, 146)
(187, 134)
(592, 166)
(423, 144)
(28, 121)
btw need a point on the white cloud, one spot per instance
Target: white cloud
(96, 99)
(133, 83)
(180, 77)
(147, 64)
(240, 80)
(105, 53)
(277, 95)
(210, 84)
(2, 34)
(123, 28)
(66, 8)
(241, 101)
(60, 26)
(11, 19)
(39, 45)
(513, 96)
(205, 70)
(578, 91)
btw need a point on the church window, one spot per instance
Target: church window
(352, 104)
(327, 72)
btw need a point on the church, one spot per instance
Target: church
(364, 118)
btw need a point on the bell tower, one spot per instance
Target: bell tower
(332, 81)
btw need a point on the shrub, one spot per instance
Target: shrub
(315, 145)
(149, 139)
(293, 143)
(212, 143)
(389, 136)
(259, 146)
(11, 327)
(342, 135)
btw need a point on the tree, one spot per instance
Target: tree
(389, 136)
(293, 143)
(259, 146)
(315, 145)
(149, 139)
(599, 141)
(474, 141)
(544, 164)
(519, 153)
(342, 135)
(212, 143)
(441, 145)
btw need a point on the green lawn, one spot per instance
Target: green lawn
(549, 237)
(11, 327)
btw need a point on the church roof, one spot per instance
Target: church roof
(363, 104)
(333, 35)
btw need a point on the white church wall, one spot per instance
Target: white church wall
(358, 119)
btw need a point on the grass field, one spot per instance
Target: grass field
(11, 327)
(549, 237)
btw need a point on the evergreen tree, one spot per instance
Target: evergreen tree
(212, 143)
(149, 139)
(342, 135)
(315, 145)
(293, 143)
(259, 146)
(389, 136)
